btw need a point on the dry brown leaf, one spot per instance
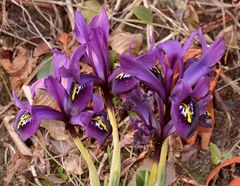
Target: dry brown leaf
(55, 180)
(43, 98)
(56, 129)
(41, 49)
(72, 164)
(128, 139)
(18, 65)
(21, 146)
(230, 35)
(120, 42)
(175, 147)
(61, 147)
(189, 152)
(127, 164)
(18, 163)
(191, 18)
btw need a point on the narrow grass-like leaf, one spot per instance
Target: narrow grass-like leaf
(142, 178)
(93, 175)
(115, 169)
(153, 175)
(215, 154)
(144, 14)
(162, 164)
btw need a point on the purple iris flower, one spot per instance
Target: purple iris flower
(72, 94)
(183, 103)
(29, 117)
(95, 37)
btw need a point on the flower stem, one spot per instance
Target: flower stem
(93, 175)
(162, 164)
(114, 177)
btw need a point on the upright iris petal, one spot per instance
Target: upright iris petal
(95, 36)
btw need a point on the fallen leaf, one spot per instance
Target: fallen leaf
(41, 49)
(230, 35)
(43, 98)
(56, 129)
(126, 164)
(19, 163)
(175, 147)
(72, 164)
(120, 42)
(235, 182)
(143, 13)
(55, 180)
(189, 151)
(19, 65)
(128, 139)
(61, 147)
(171, 174)
(217, 169)
(191, 18)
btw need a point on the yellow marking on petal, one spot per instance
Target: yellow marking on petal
(158, 71)
(189, 118)
(208, 113)
(22, 119)
(75, 88)
(101, 123)
(120, 75)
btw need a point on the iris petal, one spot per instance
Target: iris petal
(55, 89)
(131, 66)
(28, 122)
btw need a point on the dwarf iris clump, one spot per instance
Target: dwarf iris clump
(180, 88)
(168, 93)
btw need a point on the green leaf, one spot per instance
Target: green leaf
(162, 164)
(144, 14)
(215, 154)
(116, 179)
(227, 155)
(89, 9)
(142, 178)
(60, 174)
(46, 69)
(112, 58)
(153, 175)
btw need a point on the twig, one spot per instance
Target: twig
(134, 3)
(149, 28)
(105, 157)
(122, 21)
(173, 22)
(34, 26)
(228, 80)
(230, 83)
(18, 37)
(6, 87)
(70, 12)
(225, 108)
(32, 168)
